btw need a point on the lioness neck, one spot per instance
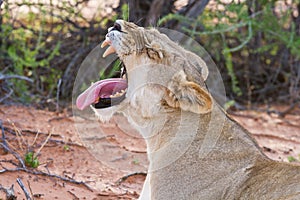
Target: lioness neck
(187, 145)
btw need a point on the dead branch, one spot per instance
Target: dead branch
(23, 169)
(29, 131)
(10, 193)
(124, 178)
(8, 161)
(125, 195)
(11, 91)
(57, 94)
(192, 10)
(27, 195)
(16, 155)
(3, 135)
(94, 138)
(154, 12)
(289, 109)
(3, 77)
(37, 133)
(133, 151)
(66, 143)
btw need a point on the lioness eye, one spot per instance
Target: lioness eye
(117, 27)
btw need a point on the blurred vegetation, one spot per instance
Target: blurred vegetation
(42, 44)
(254, 43)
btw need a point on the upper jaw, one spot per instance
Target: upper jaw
(111, 49)
(107, 92)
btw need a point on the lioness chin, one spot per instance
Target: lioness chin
(165, 98)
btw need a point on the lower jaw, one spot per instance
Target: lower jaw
(108, 102)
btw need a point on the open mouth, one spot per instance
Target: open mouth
(108, 92)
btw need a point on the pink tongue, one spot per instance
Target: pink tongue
(102, 89)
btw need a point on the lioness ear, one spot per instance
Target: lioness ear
(187, 95)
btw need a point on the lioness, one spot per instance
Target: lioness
(164, 96)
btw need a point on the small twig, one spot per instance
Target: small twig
(45, 142)
(133, 151)
(124, 178)
(28, 183)
(75, 197)
(18, 134)
(27, 195)
(60, 118)
(35, 138)
(3, 77)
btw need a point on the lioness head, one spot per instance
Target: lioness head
(160, 74)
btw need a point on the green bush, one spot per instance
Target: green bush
(46, 44)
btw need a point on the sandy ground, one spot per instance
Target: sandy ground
(71, 169)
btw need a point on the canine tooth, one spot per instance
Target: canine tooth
(104, 44)
(108, 51)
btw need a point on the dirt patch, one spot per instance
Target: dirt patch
(64, 155)
(278, 137)
(70, 169)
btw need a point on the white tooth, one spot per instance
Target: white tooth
(104, 44)
(122, 91)
(108, 51)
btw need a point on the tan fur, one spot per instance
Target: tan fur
(195, 150)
